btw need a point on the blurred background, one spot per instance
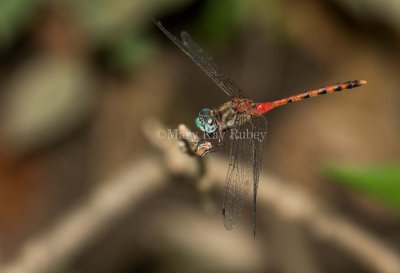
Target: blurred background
(84, 188)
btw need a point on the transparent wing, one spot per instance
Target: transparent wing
(198, 56)
(260, 132)
(244, 167)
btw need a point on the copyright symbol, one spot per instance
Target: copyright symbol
(161, 134)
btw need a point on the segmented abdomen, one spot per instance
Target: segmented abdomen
(264, 107)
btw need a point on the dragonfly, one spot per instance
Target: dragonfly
(245, 121)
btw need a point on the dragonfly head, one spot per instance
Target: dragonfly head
(206, 121)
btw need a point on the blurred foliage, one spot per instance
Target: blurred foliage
(13, 16)
(53, 98)
(385, 11)
(130, 52)
(105, 20)
(220, 19)
(379, 182)
(117, 28)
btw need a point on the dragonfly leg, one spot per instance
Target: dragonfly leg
(205, 147)
(213, 149)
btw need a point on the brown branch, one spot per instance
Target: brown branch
(82, 224)
(114, 198)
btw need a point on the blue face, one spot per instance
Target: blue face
(206, 121)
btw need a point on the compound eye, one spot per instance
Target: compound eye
(206, 121)
(210, 126)
(200, 123)
(205, 112)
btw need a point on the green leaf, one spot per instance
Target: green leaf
(379, 182)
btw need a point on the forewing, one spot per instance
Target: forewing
(198, 56)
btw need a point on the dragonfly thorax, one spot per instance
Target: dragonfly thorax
(227, 114)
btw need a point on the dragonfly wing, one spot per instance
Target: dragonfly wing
(198, 56)
(259, 126)
(244, 167)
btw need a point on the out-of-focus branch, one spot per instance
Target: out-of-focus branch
(295, 205)
(134, 184)
(82, 224)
